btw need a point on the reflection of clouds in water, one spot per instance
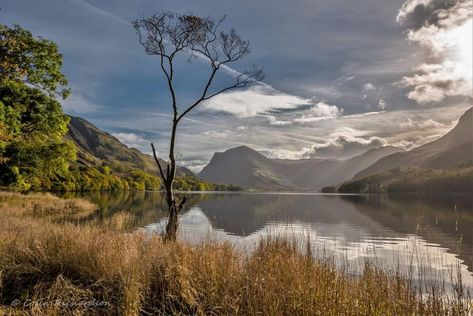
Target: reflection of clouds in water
(347, 244)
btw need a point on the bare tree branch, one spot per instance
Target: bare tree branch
(158, 163)
(167, 35)
(241, 81)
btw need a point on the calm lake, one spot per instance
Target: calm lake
(432, 235)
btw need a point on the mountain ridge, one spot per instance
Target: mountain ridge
(455, 148)
(246, 167)
(96, 147)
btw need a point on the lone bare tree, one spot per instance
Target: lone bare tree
(167, 35)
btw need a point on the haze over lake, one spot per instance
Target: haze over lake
(432, 234)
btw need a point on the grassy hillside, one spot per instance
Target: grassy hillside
(96, 147)
(97, 269)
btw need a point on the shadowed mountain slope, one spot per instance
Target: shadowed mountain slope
(246, 167)
(454, 149)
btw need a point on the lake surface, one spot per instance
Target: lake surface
(430, 234)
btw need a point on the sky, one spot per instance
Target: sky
(341, 76)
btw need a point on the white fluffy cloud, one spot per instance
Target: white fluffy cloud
(346, 146)
(317, 112)
(435, 82)
(253, 101)
(447, 33)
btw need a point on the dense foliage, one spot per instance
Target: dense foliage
(100, 179)
(106, 178)
(414, 180)
(36, 61)
(190, 183)
(32, 123)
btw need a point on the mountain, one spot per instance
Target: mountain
(454, 149)
(248, 168)
(352, 166)
(96, 147)
(244, 167)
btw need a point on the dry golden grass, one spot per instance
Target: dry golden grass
(44, 205)
(43, 262)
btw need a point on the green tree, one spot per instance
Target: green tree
(31, 60)
(32, 123)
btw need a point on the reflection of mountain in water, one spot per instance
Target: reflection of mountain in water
(443, 220)
(446, 221)
(244, 214)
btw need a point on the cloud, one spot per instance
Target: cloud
(289, 141)
(430, 123)
(322, 109)
(409, 7)
(273, 121)
(263, 100)
(359, 115)
(102, 12)
(346, 146)
(253, 101)
(445, 29)
(317, 112)
(423, 124)
(218, 134)
(369, 87)
(77, 103)
(435, 82)
(133, 140)
(281, 153)
(382, 104)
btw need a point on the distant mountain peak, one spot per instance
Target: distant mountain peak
(243, 149)
(246, 167)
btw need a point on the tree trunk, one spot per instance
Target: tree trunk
(174, 207)
(172, 224)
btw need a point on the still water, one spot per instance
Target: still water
(432, 236)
